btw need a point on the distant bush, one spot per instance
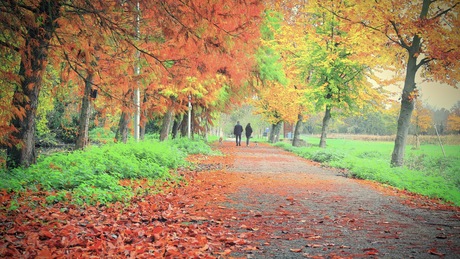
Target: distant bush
(192, 146)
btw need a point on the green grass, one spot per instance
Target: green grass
(93, 176)
(426, 170)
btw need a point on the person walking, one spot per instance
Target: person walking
(238, 130)
(248, 131)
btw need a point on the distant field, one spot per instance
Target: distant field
(424, 139)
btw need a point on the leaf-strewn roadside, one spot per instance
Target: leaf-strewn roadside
(178, 222)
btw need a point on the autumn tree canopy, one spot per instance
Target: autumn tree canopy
(323, 61)
(96, 43)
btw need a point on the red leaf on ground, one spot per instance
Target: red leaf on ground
(44, 253)
(371, 251)
(434, 251)
(45, 234)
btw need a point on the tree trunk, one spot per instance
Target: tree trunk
(166, 126)
(275, 132)
(326, 120)
(192, 123)
(184, 126)
(397, 157)
(296, 141)
(142, 130)
(122, 132)
(176, 126)
(417, 142)
(143, 121)
(82, 138)
(33, 64)
(407, 106)
(408, 95)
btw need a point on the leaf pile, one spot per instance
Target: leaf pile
(179, 221)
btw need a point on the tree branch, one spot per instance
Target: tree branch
(12, 47)
(401, 40)
(374, 28)
(444, 12)
(423, 62)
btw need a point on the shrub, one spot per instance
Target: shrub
(325, 156)
(93, 175)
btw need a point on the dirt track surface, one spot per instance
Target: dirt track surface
(288, 207)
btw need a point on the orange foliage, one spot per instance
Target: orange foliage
(177, 40)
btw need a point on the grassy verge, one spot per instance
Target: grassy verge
(101, 175)
(426, 170)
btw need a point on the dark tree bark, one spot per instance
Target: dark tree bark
(275, 132)
(296, 141)
(166, 125)
(184, 126)
(33, 64)
(82, 138)
(142, 130)
(176, 126)
(409, 93)
(326, 120)
(123, 129)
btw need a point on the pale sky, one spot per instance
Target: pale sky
(439, 96)
(435, 94)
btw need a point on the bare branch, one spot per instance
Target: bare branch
(445, 11)
(401, 40)
(423, 62)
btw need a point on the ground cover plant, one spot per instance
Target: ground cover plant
(426, 170)
(101, 174)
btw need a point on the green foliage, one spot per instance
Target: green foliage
(268, 60)
(192, 146)
(93, 175)
(101, 135)
(326, 156)
(62, 122)
(426, 170)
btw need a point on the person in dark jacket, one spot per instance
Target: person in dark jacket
(238, 130)
(248, 131)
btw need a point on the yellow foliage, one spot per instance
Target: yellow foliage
(421, 117)
(453, 123)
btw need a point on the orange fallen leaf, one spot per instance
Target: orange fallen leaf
(371, 251)
(434, 251)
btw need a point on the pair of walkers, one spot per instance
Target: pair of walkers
(238, 131)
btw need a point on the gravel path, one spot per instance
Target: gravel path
(292, 208)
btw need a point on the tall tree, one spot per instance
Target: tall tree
(34, 30)
(421, 36)
(85, 113)
(28, 30)
(324, 51)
